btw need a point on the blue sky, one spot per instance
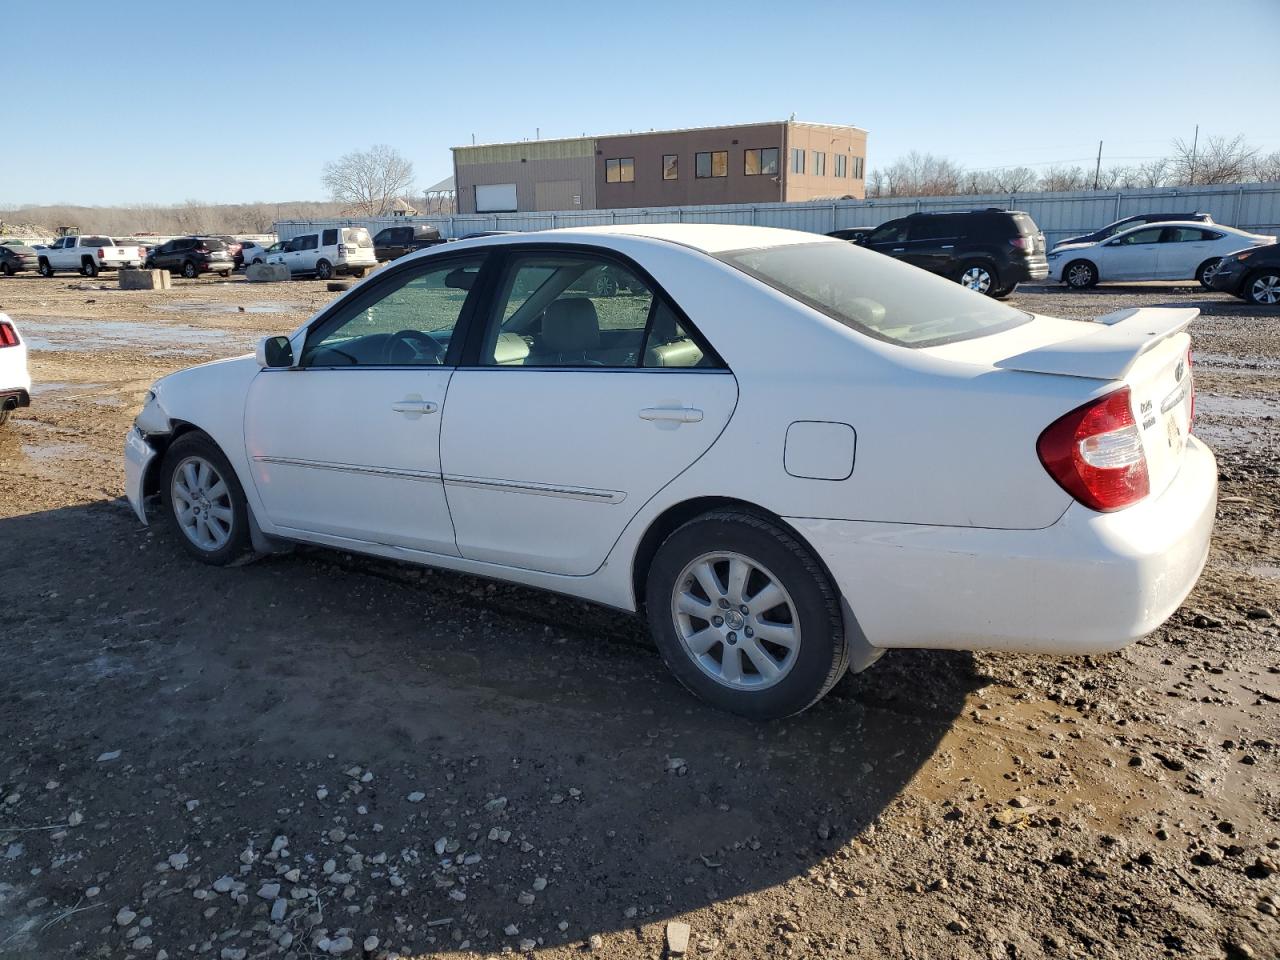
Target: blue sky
(249, 102)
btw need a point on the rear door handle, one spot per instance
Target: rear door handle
(898, 249)
(672, 414)
(414, 406)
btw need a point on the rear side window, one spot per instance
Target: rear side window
(1026, 226)
(934, 228)
(356, 237)
(97, 242)
(214, 244)
(875, 295)
(307, 242)
(330, 237)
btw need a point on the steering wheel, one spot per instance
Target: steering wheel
(408, 347)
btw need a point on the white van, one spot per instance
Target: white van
(337, 250)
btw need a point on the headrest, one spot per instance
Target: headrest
(570, 326)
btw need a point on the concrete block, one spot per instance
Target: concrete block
(266, 272)
(144, 280)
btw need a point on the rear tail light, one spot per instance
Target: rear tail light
(342, 249)
(202, 249)
(1025, 244)
(8, 335)
(101, 254)
(1095, 453)
(1191, 385)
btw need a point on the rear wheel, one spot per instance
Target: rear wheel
(7, 269)
(324, 270)
(4, 416)
(1004, 292)
(189, 270)
(1205, 272)
(1263, 288)
(358, 274)
(745, 616)
(89, 267)
(980, 277)
(224, 273)
(1080, 275)
(203, 500)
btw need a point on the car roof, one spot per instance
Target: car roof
(709, 238)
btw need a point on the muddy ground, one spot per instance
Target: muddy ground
(322, 754)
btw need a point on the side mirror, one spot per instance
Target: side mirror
(274, 352)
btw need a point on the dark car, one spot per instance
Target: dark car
(393, 242)
(990, 251)
(852, 234)
(235, 248)
(1111, 229)
(16, 259)
(1252, 275)
(192, 256)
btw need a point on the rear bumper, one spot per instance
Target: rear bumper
(1090, 583)
(138, 455)
(1033, 268)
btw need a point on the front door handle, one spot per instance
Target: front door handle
(899, 249)
(414, 406)
(672, 414)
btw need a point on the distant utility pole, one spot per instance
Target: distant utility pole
(1194, 143)
(1098, 167)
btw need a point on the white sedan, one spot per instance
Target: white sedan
(789, 453)
(15, 381)
(1164, 251)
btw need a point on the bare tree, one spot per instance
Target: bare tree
(1266, 169)
(1215, 160)
(921, 175)
(1017, 179)
(367, 180)
(1063, 178)
(1152, 174)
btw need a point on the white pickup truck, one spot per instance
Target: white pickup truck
(87, 254)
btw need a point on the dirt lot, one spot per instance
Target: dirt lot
(319, 753)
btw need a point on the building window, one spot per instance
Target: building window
(819, 163)
(761, 162)
(622, 170)
(670, 167)
(797, 160)
(714, 164)
(858, 163)
(842, 163)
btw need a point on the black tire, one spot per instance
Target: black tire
(197, 444)
(4, 416)
(1004, 292)
(324, 270)
(45, 268)
(358, 274)
(606, 286)
(88, 267)
(7, 269)
(1204, 272)
(1262, 287)
(979, 276)
(337, 286)
(822, 655)
(1080, 275)
(189, 270)
(224, 273)
(257, 260)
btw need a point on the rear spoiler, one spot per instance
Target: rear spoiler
(1109, 347)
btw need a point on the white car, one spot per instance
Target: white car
(790, 453)
(336, 250)
(1163, 251)
(253, 252)
(15, 381)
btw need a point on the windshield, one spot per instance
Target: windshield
(358, 237)
(875, 294)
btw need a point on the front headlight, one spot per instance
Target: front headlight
(152, 419)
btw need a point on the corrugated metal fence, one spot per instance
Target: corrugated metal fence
(1249, 206)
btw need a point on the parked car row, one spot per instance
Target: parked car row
(993, 250)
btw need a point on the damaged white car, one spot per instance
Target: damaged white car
(788, 453)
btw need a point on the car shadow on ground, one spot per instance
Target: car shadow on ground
(510, 735)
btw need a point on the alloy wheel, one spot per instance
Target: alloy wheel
(1265, 289)
(1079, 275)
(736, 621)
(977, 279)
(202, 503)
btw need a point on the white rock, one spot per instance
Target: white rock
(75, 819)
(108, 756)
(223, 884)
(677, 938)
(178, 860)
(440, 845)
(286, 940)
(269, 891)
(370, 944)
(525, 899)
(539, 884)
(233, 953)
(278, 909)
(496, 804)
(341, 945)
(279, 843)
(511, 930)
(500, 835)
(142, 943)
(562, 926)
(321, 793)
(294, 875)
(330, 866)
(354, 773)
(456, 894)
(526, 945)
(92, 891)
(124, 917)
(192, 804)
(367, 777)
(416, 797)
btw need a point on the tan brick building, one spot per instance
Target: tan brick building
(748, 163)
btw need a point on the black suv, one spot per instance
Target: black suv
(395, 242)
(1111, 229)
(192, 256)
(990, 251)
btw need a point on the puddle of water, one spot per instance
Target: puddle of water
(56, 386)
(1268, 571)
(1238, 408)
(205, 306)
(48, 452)
(68, 334)
(1219, 362)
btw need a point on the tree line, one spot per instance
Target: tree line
(1189, 163)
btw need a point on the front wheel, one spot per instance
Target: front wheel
(45, 268)
(324, 270)
(744, 616)
(1263, 288)
(7, 269)
(1205, 272)
(4, 416)
(1080, 275)
(203, 500)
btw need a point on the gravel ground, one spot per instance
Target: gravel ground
(321, 754)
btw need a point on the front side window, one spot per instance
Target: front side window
(409, 321)
(621, 170)
(895, 231)
(761, 162)
(797, 160)
(819, 163)
(875, 295)
(670, 167)
(580, 311)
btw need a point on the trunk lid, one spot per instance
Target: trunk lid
(1146, 349)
